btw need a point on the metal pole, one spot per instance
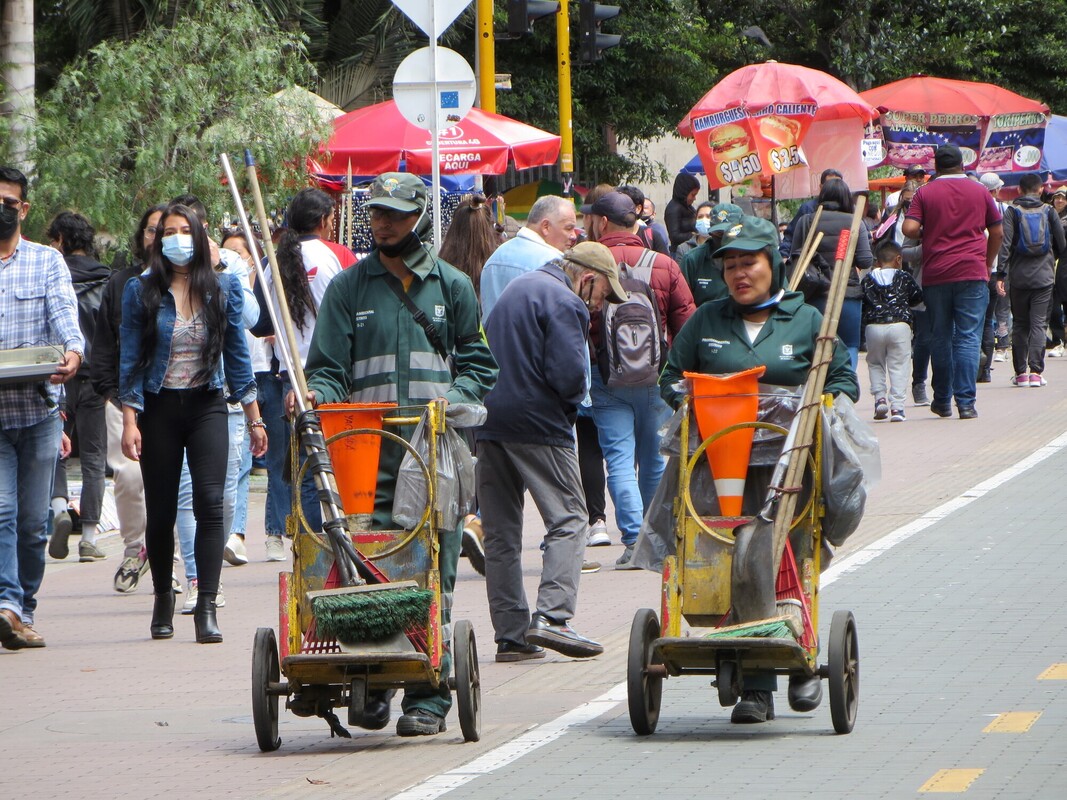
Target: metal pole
(563, 65)
(486, 57)
(435, 133)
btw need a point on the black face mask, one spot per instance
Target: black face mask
(9, 222)
(406, 246)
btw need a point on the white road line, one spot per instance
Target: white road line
(510, 752)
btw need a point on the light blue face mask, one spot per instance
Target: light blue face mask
(178, 249)
(704, 227)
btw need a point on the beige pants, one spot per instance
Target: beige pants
(129, 487)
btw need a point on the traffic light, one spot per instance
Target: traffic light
(591, 42)
(522, 14)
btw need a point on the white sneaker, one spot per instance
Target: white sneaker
(1000, 356)
(190, 602)
(220, 598)
(235, 552)
(275, 548)
(598, 534)
(1055, 352)
(176, 584)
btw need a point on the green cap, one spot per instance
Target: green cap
(399, 191)
(724, 216)
(751, 234)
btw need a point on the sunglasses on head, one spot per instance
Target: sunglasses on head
(400, 192)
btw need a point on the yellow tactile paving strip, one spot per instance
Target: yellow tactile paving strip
(1012, 722)
(951, 780)
(1057, 672)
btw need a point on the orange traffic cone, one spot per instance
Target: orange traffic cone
(354, 458)
(719, 402)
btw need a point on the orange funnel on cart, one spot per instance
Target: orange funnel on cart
(720, 401)
(354, 458)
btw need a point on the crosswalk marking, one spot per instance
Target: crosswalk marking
(951, 780)
(1012, 722)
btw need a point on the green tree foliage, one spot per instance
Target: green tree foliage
(636, 92)
(135, 123)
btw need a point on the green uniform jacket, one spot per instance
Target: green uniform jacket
(368, 348)
(704, 273)
(714, 342)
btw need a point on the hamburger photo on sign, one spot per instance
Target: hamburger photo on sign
(729, 142)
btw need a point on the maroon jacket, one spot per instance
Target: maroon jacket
(672, 292)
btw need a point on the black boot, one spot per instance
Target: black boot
(163, 615)
(204, 621)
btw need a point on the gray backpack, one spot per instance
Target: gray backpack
(632, 347)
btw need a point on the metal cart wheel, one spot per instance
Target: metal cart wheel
(644, 691)
(727, 683)
(468, 680)
(844, 671)
(265, 673)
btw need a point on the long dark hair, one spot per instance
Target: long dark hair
(204, 288)
(835, 196)
(304, 215)
(137, 242)
(471, 239)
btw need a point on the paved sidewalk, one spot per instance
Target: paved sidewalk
(103, 711)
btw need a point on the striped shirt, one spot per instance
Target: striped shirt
(37, 308)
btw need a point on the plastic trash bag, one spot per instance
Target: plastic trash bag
(851, 468)
(778, 405)
(455, 471)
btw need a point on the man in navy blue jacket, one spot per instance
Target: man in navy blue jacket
(538, 334)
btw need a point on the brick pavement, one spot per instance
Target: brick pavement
(103, 710)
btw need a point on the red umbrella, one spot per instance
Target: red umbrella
(377, 138)
(754, 120)
(997, 130)
(925, 94)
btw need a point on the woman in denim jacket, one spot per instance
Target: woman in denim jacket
(181, 323)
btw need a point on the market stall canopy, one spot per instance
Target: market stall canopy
(763, 119)
(377, 138)
(996, 129)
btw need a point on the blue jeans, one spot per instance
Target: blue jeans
(955, 312)
(244, 472)
(27, 468)
(628, 420)
(186, 518)
(271, 393)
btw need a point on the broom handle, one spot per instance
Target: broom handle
(281, 347)
(807, 252)
(349, 562)
(802, 263)
(813, 387)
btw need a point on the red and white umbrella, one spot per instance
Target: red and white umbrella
(756, 120)
(377, 139)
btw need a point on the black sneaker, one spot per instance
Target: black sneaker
(755, 706)
(62, 526)
(561, 637)
(968, 412)
(918, 394)
(511, 651)
(941, 410)
(419, 722)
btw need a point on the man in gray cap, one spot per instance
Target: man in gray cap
(386, 331)
(539, 331)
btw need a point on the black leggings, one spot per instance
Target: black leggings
(190, 422)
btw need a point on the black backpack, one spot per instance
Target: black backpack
(632, 346)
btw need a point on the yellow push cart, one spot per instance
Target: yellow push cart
(691, 635)
(317, 674)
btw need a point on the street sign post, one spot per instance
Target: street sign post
(434, 87)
